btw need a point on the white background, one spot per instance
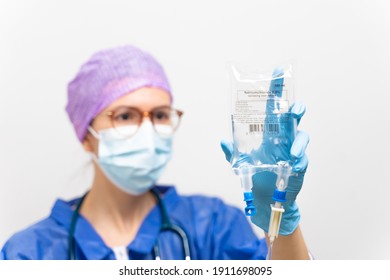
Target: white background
(342, 64)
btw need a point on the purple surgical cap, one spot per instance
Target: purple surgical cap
(107, 76)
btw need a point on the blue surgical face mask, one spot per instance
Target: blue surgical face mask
(133, 164)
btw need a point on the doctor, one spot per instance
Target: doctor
(120, 105)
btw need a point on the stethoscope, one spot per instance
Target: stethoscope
(166, 225)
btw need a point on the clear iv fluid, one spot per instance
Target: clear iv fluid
(262, 144)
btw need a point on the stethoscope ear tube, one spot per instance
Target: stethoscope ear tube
(72, 228)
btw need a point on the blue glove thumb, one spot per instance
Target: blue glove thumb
(227, 148)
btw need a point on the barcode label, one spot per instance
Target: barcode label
(264, 128)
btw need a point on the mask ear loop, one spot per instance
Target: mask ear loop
(93, 132)
(96, 135)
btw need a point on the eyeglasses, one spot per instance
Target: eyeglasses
(126, 120)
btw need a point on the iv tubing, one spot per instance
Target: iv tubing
(283, 172)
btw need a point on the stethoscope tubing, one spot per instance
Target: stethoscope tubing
(165, 226)
(168, 226)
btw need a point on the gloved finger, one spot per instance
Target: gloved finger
(227, 148)
(301, 164)
(275, 89)
(299, 145)
(297, 111)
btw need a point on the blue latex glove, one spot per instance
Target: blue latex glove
(264, 183)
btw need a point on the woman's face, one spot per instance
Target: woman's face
(145, 99)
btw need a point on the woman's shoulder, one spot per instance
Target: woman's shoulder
(203, 208)
(26, 243)
(210, 202)
(46, 234)
(198, 202)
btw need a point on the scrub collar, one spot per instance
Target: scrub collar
(91, 244)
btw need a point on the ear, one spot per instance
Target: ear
(87, 144)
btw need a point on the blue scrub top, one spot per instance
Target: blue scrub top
(215, 231)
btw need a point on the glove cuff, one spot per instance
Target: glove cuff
(290, 219)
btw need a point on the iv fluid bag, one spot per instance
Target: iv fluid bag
(262, 125)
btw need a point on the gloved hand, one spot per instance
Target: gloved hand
(264, 183)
